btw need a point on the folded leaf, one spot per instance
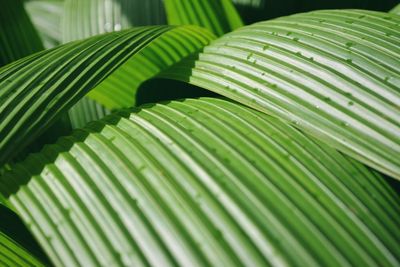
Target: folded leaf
(36, 90)
(102, 16)
(219, 16)
(46, 16)
(334, 74)
(203, 182)
(396, 10)
(17, 246)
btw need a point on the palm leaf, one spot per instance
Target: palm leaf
(36, 90)
(396, 10)
(203, 182)
(17, 246)
(334, 74)
(219, 16)
(46, 16)
(102, 16)
(18, 37)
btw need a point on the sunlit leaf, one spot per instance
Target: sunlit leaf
(36, 90)
(333, 74)
(203, 183)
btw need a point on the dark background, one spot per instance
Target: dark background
(277, 8)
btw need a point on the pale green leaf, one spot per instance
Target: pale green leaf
(203, 182)
(36, 90)
(46, 17)
(334, 74)
(396, 10)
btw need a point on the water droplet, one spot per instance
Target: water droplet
(349, 60)
(117, 27)
(107, 27)
(317, 107)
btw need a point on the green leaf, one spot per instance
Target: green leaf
(97, 17)
(18, 37)
(17, 246)
(333, 74)
(219, 16)
(203, 182)
(250, 3)
(102, 16)
(46, 16)
(36, 90)
(396, 10)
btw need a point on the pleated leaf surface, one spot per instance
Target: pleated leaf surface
(36, 90)
(334, 74)
(203, 182)
(219, 16)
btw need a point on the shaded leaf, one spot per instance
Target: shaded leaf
(396, 10)
(17, 246)
(46, 16)
(102, 16)
(219, 16)
(18, 38)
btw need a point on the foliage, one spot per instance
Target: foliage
(125, 142)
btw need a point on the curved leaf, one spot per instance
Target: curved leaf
(396, 10)
(46, 17)
(101, 16)
(36, 90)
(18, 37)
(219, 16)
(17, 246)
(334, 74)
(204, 183)
(250, 3)
(97, 17)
